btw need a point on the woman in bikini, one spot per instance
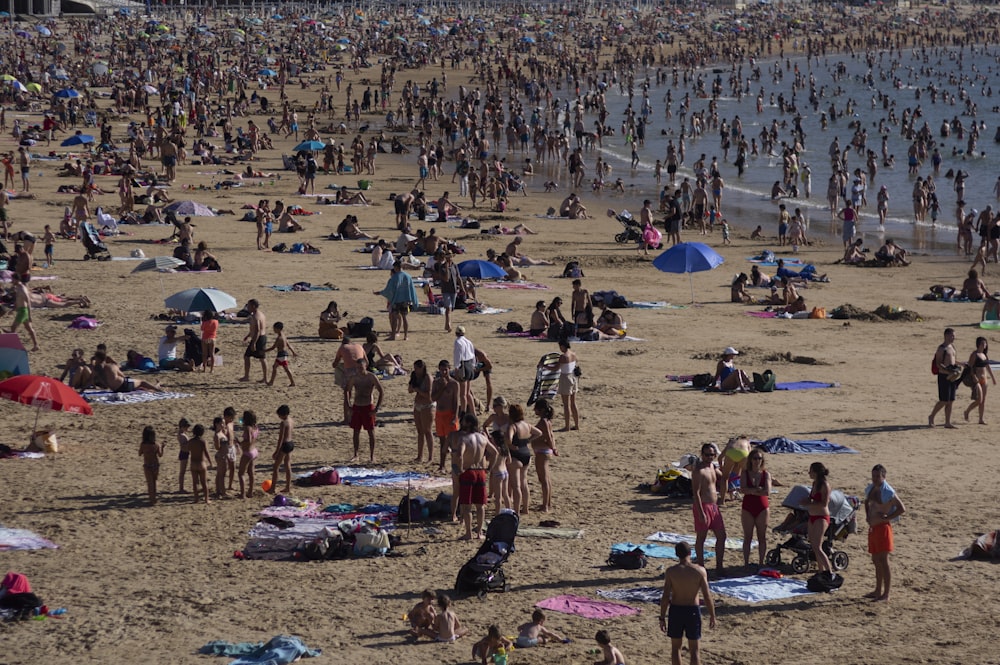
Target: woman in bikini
(818, 505)
(423, 409)
(373, 350)
(979, 366)
(755, 483)
(221, 443)
(495, 426)
(517, 437)
(544, 447)
(249, 452)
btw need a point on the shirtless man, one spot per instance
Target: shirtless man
(113, 379)
(682, 584)
(717, 186)
(168, 156)
(944, 360)
(445, 391)
(362, 410)
(22, 307)
(706, 482)
(256, 341)
(519, 259)
(472, 447)
(80, 209)
(699, 200)
(349, 354)
(580, 299)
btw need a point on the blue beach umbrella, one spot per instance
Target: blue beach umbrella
(528, 40)
(200, 300)
(43, 31)
(267, 72)
(481, 270)
(77, 139)
(13, 355)
(68, 93)
(688, 257)
(310, 146)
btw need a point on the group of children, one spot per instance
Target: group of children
(443, 625)
(194, 452)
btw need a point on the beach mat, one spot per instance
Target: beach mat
(531, 286)
(805, 385)
(654, 550)
(757, 588)
(284, 288)
(587, 607)
(21, 539)
(23, 454)
(367, 477)
(653, 304)
(549, 532)
(674, 538)
(491, 310)
(136, 397)
(780, 445)
(639, 594)
(762, 315)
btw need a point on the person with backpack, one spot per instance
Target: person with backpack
(451, 286)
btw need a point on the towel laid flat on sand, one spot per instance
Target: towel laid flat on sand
(653, 550)
(284, 288)
(22, 539)
(548, 532)
(780, 444)
(640, 594)
(670, 537)
(805, 385)
(763, 315)
(757, 589)
(515, 285)
(652, 304)
(137, 397)
(366, 477)
(587, 607)
(626, 338)
(279, 650)
(491, 310)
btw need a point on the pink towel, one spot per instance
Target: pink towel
(587, 607)
(763, 315)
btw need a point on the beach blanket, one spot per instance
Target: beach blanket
(780, 444)
(651, 304)
(587, 607)
(279, 650)
(639, 594)
(549, 532)
(757, 589)
(291, 287)
(515, 285)
(626, 338)
(22, 454)
(137, 397)
(22, 539)
(670, 537)
(123, 258)
(653, 550)
(762, 315)
(366, 477)
(805, 385)
(490, 310)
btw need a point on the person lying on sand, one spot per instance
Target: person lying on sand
(115, 380)
(522, 260)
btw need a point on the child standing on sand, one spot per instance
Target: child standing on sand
(283, 452)
(283, 348)
(150, 452)
(199, 462)
(249, 452)
(229, 417)
(222, 463)
(184, 451)
(49, 240)
(209, 331)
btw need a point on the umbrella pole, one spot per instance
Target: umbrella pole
(34, 428)
(691, 279)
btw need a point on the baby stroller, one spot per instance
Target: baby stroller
(484, 571)
(632, 232)
(96, 249)
(843, 522)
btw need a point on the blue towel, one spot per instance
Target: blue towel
(757, 588)
(780, 444)
(653, 550)
(279, 650)
(804, 385)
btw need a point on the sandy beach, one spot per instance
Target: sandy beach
(153, 584)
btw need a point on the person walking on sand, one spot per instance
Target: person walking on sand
(680, 615)
(979, 366)
(363, 384)
(256, 341)
(882, 507)
(402, 297)
(22, 307)
(944, 362)
(706, 485)
(283, 347)
(150, 451)
(472, 495)
(283, 451)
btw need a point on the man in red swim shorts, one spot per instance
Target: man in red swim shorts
(444, 392)
(706, 484)
(883, 507)
(362, 385)
(472, 445)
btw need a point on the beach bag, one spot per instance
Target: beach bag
(416, 506)
(633, 560)
(514, 327)
(764, 383)
(823, 582)
(986, 546)
(573, 269)
(370, 542)
(969, 377)
(361, 328)
(934, 365)
(818, 313)
(702, 380)
(323, 477)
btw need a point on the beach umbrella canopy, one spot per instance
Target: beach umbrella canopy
(43, 392)
(688, 257)
(33, 87)
(68, 93)
(150, 90)
(43, 31)
(13, 355)
(198, 300)
(60, 75)
(343, 40)
(8, 77)
(190, 208)
(17, 85)
(158, 263)
(4, 14)
(77, 139)
(311, 146)
(528, 40)
(99, 68)
(23, 33)
(267, 72)
(481, 270)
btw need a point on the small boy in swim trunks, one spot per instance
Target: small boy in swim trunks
(423, 615)
(490, 645)
(535, 633)
(282, 346)
(49, 239)
(150, 452)
(612, 656)
(183, 440)
(447, 626)
(283, 452)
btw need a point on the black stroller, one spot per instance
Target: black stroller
(484, 572)
(632, 232)
(96, 249)
(843, 522)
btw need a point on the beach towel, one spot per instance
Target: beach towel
(22, 454)
(490, 310)
(515, 285)
(587, 607)
(780, 444)
(670, 537)
(653, 550)
(284, 288)
(757, 589)
(22, 539)
(279, 650)
(805, 385)
(762, 315)
(639, 594)
(366, 477)
(137, 397)
(651, 304)
(549, 532)
(121, 258)
(626, 338)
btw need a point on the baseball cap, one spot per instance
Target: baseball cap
(730, 351)
(460, 330)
